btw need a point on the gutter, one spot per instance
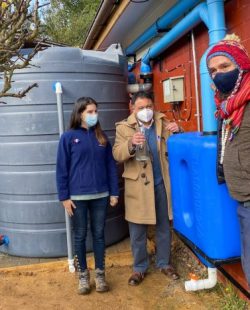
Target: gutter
(105, 10)
(113, 19)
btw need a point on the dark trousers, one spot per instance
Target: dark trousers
(138, 235)
(97, 209)
(244, 218)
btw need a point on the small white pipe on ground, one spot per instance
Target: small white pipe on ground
(210, 282)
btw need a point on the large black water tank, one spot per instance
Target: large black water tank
(30, 214)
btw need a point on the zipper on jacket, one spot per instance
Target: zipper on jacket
(93, 160)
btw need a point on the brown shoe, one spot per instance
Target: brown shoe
(170, 272)
(136, 278)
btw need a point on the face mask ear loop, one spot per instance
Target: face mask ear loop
(237, 84)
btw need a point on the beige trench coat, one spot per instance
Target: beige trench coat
(139, 198)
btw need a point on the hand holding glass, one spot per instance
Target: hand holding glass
(141, 152)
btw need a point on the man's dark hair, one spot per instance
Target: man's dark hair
(141, 95)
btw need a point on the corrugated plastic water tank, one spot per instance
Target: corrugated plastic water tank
(203, 211)
(30, 214)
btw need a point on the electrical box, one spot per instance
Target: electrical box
(173, 89)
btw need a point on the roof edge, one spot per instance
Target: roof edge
(104, 12)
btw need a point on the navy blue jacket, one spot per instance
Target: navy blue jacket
(84, 166)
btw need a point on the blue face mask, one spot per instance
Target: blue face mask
(225, 81)
(91, 119)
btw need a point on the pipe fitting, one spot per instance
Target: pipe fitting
(185, 25)
(58, 88)
(4, 240)
(163, 22)
(210, 282)
(145, 69)
(71, 265)
(134, 88)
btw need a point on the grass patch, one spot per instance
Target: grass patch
(230, 300)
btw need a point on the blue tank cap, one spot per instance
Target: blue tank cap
(6, 240)
(57, 87)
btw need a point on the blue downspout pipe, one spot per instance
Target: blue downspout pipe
(212, 14)
(198, 14)
(217, 31)
(162, 23)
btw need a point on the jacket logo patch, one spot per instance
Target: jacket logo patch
(75, 141)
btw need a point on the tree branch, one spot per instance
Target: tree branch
(15, 31)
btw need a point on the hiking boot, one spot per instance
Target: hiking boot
(100, 283)
(84, 283)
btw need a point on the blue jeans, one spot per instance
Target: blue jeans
(138, 235)
(244, 218)
(97, 210)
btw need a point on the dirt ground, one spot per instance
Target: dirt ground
(56, 289)
(50, 286)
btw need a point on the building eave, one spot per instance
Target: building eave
(106, 9)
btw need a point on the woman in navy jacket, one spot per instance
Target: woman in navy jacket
(87, 181)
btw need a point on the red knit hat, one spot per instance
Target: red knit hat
(233, 50)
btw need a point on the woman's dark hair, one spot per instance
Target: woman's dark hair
(75, 119)
(142, 94)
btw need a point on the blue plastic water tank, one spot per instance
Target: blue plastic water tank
(203, 211)
(30, 213)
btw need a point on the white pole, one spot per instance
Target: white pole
(59, 101)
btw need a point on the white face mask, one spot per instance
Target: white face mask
(145, 115)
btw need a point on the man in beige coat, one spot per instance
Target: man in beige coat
(147, 187)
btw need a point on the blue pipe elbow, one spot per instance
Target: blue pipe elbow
(145, 68)
(217, 31)
(212, 14)
(162, 23)
(207, 98)
(185, 25)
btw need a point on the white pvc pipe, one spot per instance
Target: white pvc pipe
(134, 88)
(59, 93)
(210, 282)
(71, 265)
